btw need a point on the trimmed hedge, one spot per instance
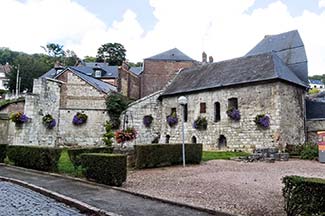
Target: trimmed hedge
(74, 154)
(157, 155)
(304, 196)
(34, 157)
(3, 151)
(104, 168)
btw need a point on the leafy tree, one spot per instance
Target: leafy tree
(54, 50)
(318, 77)
(113, 53)
(116, 103)
(313, 91)
(6, 55)
(138, 64)
(89, 59)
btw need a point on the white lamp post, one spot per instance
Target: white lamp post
(183, 101)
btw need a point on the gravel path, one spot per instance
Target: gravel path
(17, 200)
(229, 186)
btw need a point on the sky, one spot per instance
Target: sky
(224, 29)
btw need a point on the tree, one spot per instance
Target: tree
(54, 50)
(89, 59)
(113, 53)
(138, 64)
(6, 55)
(313, 91)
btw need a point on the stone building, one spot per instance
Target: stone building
(159, 69)
(271, 79)
(4, 69)
(68, 92)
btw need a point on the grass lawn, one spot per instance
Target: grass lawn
(65, 166)
(213, 155)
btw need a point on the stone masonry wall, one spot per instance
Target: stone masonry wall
(4, 126)
(256, 99)
(44, 100)
(149, 105)
(313, 126)
(156, 74)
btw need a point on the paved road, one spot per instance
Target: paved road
(17, 200)
(107, 199)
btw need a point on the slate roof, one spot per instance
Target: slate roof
(171, 55)
(315, 110)
(136, 70)
(98, 84)
(247, 69)
(316, 82)
(50, 74)
(289, 47)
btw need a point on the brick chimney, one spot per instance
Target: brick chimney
(204, 57)
(210, 59)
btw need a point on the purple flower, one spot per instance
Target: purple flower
(23, 118)
(147, 120)
(52, 124)
(263, 121)
(234, 114)
(79, 118)
(172, 120)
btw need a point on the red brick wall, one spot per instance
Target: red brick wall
(128, 84)
(156, 74)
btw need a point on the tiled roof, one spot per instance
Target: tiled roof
(171, 55)
(136, 70)
(316, 82)
(247, 69)
(98, 84)
(289, 47)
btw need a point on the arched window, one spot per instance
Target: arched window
(194, 141)
(222, 142)
(216, 112)
(167, 138)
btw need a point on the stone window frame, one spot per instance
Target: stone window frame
(233, 103)
(217, 111)
(203, 107)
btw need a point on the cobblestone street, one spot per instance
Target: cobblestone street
(17, 200)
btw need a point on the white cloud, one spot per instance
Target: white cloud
(222, 28)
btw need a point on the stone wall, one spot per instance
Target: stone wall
(156, 74)
(14, 107)
(44, 100)
(313, 126)
(4, 127)
(86, 134)
(274, 99)
(149, 105)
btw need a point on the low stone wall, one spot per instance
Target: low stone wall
(4, 127)
(313, 126)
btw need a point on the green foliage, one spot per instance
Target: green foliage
(116, 103)
(303, 196)
(201, 123)
(318, 77)
(109, 134)
(138, 64)
(213, 155)
(157, 155)
(34, 157)
(89, 59)
(110, 169)
(309, 152)
(74, 154)
(7, 56)
(313, 91)
(54, 50)
(112, 53)
(3, 152)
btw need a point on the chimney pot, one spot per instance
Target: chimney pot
(204, 57)
(210, 59)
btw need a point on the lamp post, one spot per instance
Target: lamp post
(183, 101)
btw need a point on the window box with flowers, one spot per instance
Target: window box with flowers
(147, 121)
(263, 121)
(49, 121)
(79, 118)
(201, 123)
(234, 114)
(124, 135)
(19, 118)
(172, 119)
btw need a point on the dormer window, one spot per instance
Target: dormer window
(98, 73)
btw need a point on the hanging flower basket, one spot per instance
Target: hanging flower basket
(262, 121)
(49, 121)
(234, 114)
(172, 119)
(19, 118)
(147, 120)
(201, 123)
(127, 134)
(79, 118)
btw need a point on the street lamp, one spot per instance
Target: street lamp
(183, 101)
